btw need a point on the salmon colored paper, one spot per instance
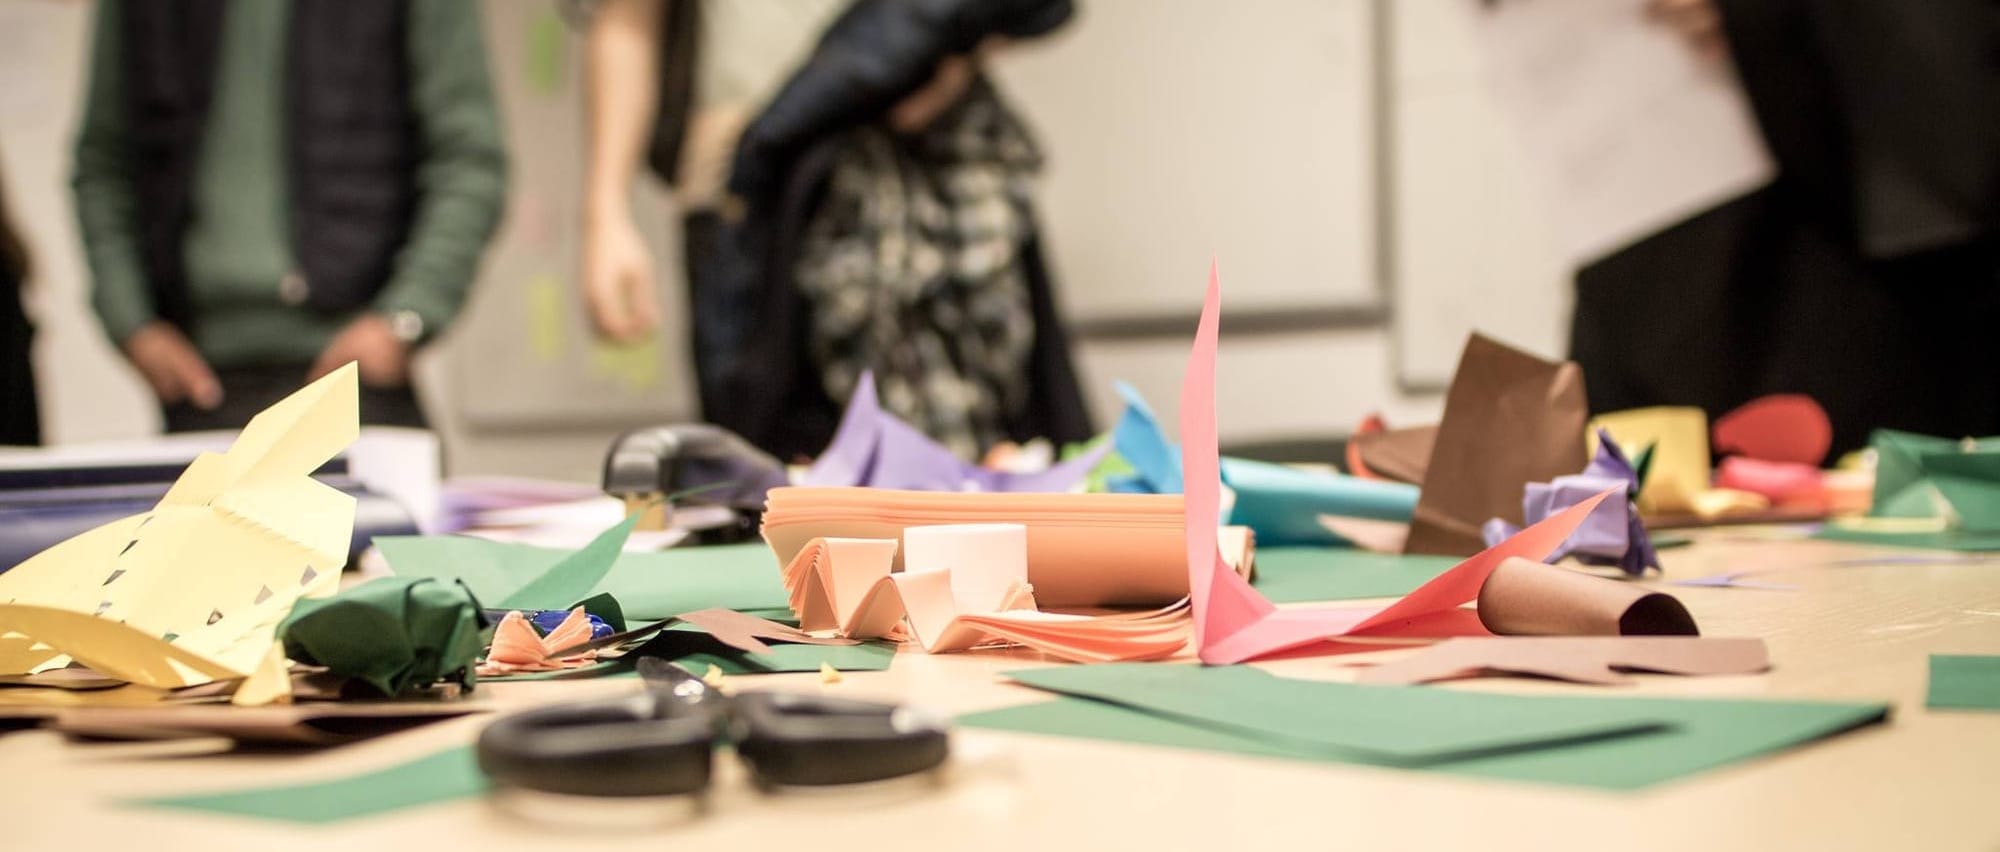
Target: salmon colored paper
(517, 648)
(963, 586)
(1084, 550)
(1785, 427)
(1233, 623)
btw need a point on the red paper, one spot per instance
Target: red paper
(1233, 623)
(1786, 427)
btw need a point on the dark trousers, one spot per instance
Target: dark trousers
(20, 415)
(249, 390)
(1759, 296)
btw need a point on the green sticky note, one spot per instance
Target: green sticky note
(442, 777)
(649, 586)
(1691, 736)
(1964, 683)
(1410, 724)
(1302, 574)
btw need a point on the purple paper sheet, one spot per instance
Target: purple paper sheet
(876, 449)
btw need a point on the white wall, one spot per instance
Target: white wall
(1177, 130)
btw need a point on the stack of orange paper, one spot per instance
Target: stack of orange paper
(963, 586)
(1083, 550)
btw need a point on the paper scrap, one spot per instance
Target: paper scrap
(1734, 580)
(305, 723)
(1527, 598)
(1786, 427)
(518, 648)
(445, 776)
(1405, 725)
(1314, 574)
(193, 590)
(1510, 418)
(1695, 735)
(1679, 438)
(962, 587)
(1233, 623)
(1960, 682)
(649, 586)
(1593, 660)
(875, 448)
(695, 650)
(398, 635)
(1398, 455)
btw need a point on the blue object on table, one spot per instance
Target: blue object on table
(547, 620)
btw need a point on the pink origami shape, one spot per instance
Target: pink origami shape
(1233, 623)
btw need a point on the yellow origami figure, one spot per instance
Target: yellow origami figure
(192, 591)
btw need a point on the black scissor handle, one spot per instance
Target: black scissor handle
(642, 745)
(792, 739)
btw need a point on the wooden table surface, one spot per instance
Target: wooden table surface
(1924, 780)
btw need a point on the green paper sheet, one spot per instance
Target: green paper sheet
(1964, 683)
(442, 777)
(573, 577)
(650, 586)
(1699, 735)
(1403, 724)
(1304, 574)
(1963, 541)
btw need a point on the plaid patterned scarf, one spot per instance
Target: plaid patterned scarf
(912, 267)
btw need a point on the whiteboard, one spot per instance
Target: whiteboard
(1183, 130)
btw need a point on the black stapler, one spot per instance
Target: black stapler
(692, 464)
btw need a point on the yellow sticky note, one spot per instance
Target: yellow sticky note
(193, 590)
(1679, 437)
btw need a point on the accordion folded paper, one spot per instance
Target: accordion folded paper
(1084, 550)
(962, 586)
(193, 591)
(874, 448)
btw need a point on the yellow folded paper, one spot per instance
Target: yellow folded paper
(193, 591)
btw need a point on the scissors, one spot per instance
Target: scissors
(662, 742)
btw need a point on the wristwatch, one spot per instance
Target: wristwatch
(406, 325)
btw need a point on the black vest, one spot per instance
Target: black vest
(350, 140)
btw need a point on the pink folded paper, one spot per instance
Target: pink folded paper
(518, 648)
(1233, 623)
(962, 586)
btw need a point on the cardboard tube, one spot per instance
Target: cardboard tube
(1526, 598)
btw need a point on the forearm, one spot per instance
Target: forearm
(461, 183)
(623, 79)
(106, 206)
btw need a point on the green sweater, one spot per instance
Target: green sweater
(237, 249)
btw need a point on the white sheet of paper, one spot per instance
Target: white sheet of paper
(1626, 127)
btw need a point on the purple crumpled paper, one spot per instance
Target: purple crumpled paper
(1612, 534)
(876, 449)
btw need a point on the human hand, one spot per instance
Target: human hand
(371, 342)
(172, 366)
(618, 279)
(917, 110)
(1697, 21)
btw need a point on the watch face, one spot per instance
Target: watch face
(407, 326)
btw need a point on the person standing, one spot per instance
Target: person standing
(270, 190)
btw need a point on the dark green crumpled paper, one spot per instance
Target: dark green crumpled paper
(396, 634)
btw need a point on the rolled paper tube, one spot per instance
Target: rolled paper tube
(1526, 598)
